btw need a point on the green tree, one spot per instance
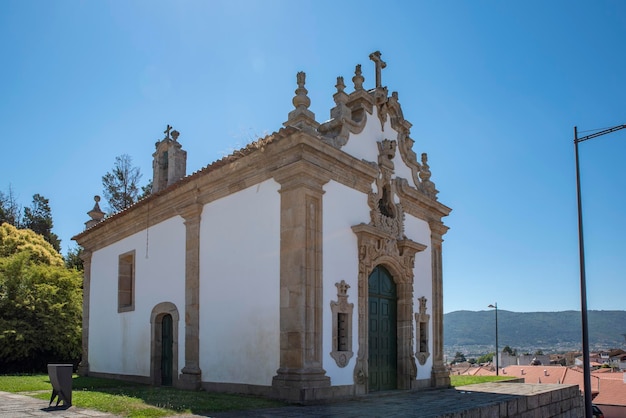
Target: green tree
(73, 260)
(10, 210)
(13, 241)
(38, 218)
(509, 351)
(121, 185)
(40, 304)
(146, 190)
(485, 358)
(459, 358)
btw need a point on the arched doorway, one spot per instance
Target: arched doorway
(164, 346)
(383, 351)
(167, 352)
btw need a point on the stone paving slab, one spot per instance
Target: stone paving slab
(423, 404)
(19, 406)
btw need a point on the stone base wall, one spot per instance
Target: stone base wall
(301, 396)
(525, 401)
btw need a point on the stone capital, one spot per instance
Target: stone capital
(301, 174)
(190, 212)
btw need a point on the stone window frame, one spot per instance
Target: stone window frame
(341, 306)
(126, 282)
(422, 322)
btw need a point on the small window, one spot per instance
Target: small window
(342, 332)
(126, 282)
(342, 326)
(422, 320)
(423, 337)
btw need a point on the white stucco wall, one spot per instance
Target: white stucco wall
(240, 287)
(119, 343)
(343, 208)
(364, 145)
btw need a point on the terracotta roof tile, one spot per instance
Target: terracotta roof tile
(537, 374)
(612, 392)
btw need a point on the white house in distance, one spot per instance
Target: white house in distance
(304, 266)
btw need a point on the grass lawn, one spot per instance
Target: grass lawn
(463, 380)
(134, 400)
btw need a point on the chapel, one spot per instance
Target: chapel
(305, 266)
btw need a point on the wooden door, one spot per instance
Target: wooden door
(167, 342)
(382, 361)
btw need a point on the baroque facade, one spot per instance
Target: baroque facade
(304, 266)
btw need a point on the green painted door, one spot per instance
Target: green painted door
(382, 331)
(167, 341)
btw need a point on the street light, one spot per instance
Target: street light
(583, 285)
(496, 308)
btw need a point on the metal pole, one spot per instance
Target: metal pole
(497, 354)
(583, 290)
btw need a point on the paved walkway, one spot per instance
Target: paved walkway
(423, 404)
(20, 406)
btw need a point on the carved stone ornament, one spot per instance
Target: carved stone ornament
(342, 326)
(422, 321)
(385, 214)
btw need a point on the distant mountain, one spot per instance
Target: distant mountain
(534, 329)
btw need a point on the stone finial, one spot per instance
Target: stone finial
(340, 85)
(425, 169)
(342, 288)
(301, 100)
(301, 117)
(380, 64)
(95, 214)
(358, 78)
(175, 135)
(427, 186)
(340, 97)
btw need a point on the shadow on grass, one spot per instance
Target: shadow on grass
(94, 391)
(132, 399)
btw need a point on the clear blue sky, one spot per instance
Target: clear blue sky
(493, 90)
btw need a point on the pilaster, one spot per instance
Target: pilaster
(440, 375)
(83, 366)
(191, 374)
(300, 282)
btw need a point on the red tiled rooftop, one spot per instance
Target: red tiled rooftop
(537, 374)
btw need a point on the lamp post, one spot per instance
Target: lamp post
(495, 305)
(583, 284)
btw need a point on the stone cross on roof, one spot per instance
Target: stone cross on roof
(167, 132)
(380, 64)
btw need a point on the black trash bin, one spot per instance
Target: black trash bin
(61, 378)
